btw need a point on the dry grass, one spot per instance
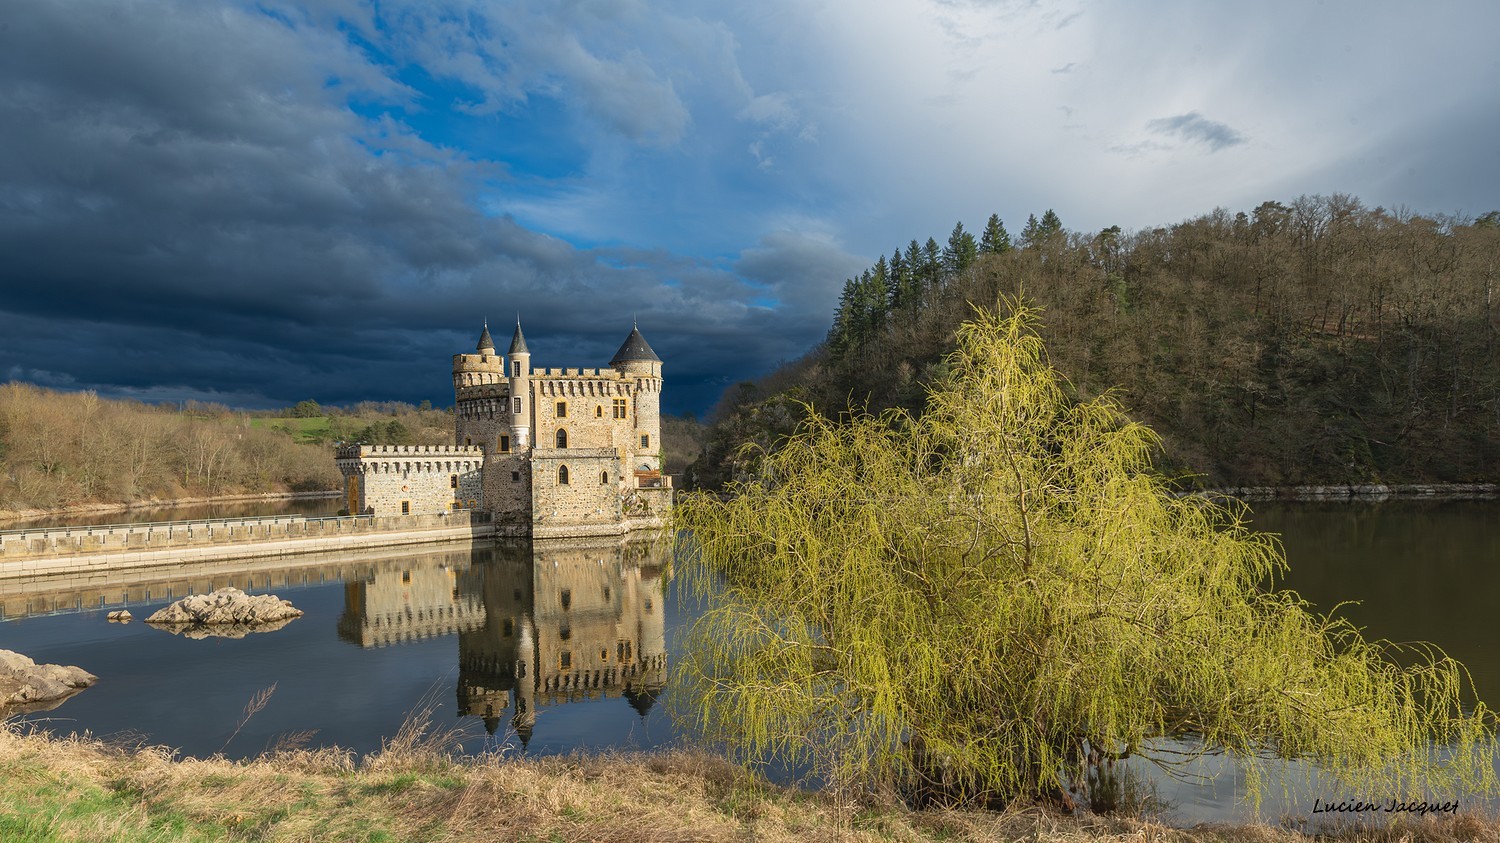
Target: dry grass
(69, 789)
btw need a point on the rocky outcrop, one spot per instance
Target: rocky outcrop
(28, 686)
(227, 607)
(122, 616)
(220, 630)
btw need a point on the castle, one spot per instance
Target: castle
(546, 452)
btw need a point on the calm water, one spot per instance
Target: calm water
(486, 638)
(553, 648)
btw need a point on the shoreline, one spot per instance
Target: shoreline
(413, 789)
(101, 508)
(1370, 493)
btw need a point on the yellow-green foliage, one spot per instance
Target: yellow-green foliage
(983, 597)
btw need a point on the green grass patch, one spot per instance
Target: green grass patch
(303, 430)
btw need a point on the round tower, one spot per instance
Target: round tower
(476, 369)
(636, 360)
(520, 390)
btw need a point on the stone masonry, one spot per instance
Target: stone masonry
(548, 452)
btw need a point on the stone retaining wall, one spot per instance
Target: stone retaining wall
(42, 551)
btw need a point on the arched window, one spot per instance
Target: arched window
(562, 475)
(562, 438)
(604, 478)
(599, 412)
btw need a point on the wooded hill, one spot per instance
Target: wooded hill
(61, 449)
(1305, 343)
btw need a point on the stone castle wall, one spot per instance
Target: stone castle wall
(591, 494)
(411, 479)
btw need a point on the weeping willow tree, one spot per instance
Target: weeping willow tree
(990, 598)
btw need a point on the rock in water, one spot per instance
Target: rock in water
(226, 606)
(28, 686)
(200, 631)
(122, 616)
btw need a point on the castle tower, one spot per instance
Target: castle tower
(477, 379)
(520, 390)
(636, 360)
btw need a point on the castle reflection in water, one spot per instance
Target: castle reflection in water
(538, 624)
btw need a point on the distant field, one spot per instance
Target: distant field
(303, 430)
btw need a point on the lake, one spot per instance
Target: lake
(557, 647)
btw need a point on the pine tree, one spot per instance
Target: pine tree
(1050, 225)
(996, 240)
(961, 251)
(1031, 235)
(932, 265)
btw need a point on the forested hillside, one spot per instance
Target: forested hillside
(1312, 342)
(61, 449)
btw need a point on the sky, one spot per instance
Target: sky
(254, 203)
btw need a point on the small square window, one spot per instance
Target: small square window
(515, 476)
(645, 440)
(562, 409)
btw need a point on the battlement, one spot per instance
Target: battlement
(477, 362)
(354, 452)
(610, 374)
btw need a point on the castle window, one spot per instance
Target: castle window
(515, 368)
(473, 503)
(518, 406)
(406, 507)
(565, 660)
(562, 409)
(619, 405)
(603, 654)
(599, 412)
(406, 577)
(562, 475)
(515, 476)
(604, 478)
(645, 440)
(457, 505)
(565, 632)
(468, 441)
(504, 444)
(453, 481)
(508, 628)
(562, 438)
(566, 598)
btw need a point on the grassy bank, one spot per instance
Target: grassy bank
(80, 790)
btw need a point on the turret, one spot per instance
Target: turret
(480, 368)
(519, 359)
(636, 360)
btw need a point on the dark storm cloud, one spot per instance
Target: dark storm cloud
(190, 206)
(1193, 126)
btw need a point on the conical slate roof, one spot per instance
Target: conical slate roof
(485, 340)
(518, 342)
(635, 348)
